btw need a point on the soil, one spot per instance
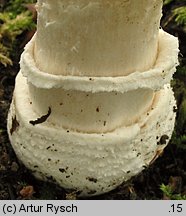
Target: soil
(16, 182)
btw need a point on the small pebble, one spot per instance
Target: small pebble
(14, 167)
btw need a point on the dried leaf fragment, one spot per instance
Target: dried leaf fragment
(27, 192)
(41, 119)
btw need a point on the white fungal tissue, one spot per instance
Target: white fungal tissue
(92, 104)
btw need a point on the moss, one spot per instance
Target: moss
(4, 55)
(13, 26)
(181, 127)
(17, 6)
(180, 15)
(169, 193)
(166, 2)
(14, 20)
(179, 83)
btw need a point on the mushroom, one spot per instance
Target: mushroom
(92, 104)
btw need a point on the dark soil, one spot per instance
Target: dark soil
(16, 182)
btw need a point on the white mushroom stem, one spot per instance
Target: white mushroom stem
(90, 164)
(97, 37)
(92, 104)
